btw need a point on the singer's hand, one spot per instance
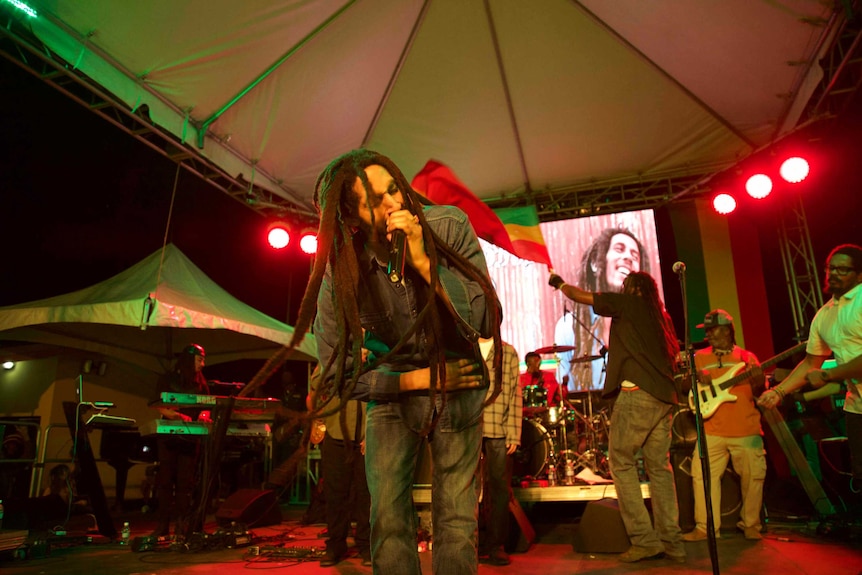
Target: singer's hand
(409, 224)
(461, 374)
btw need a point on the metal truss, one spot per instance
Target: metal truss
(842, 67)
(800, 269)
(21, 47)
(613, 195)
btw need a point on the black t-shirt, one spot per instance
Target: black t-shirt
(637, 348)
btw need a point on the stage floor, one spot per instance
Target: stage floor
(787, 547)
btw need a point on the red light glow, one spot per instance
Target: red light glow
(758, 186)
(794, 170)
(278, 237)
(724, 204)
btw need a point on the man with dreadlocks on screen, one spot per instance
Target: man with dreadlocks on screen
(424, 374)
(643, 349)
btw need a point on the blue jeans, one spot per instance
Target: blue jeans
(393, 440)
(640, 422)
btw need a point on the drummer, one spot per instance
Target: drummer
(540, 388)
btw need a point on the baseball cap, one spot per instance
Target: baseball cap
(716, 317)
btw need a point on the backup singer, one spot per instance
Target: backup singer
(643, 348)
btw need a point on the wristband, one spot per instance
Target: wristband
(779, 392)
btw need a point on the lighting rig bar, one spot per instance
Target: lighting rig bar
(22, 48)
(615, 195)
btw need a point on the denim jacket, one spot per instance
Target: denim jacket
(388, 310)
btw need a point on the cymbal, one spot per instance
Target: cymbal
(555, 349)
(584, 358)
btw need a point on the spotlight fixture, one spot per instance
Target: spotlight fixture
(724, 204)
(308, 242)
(7, 365)
(278, 235)
(758, 186)
(794, 169)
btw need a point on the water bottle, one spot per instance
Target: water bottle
(126, 534)
(570, 472)
(552, 475)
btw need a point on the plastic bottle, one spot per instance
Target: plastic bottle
(552, 475)
(570, 472)
(126, 534)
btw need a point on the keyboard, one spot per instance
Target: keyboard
(258, 404)
(174, 427)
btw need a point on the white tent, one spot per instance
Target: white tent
(149, 312)
(515, 96)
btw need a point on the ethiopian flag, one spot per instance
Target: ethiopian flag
(522, 227)
(516, 230)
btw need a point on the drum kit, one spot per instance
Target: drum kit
(559, 434)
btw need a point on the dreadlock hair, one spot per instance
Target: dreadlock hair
(643, 284)
(594, 263)
(338, 246)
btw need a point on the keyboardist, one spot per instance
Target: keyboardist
(179, 454)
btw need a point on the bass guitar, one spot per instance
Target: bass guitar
(712, 396)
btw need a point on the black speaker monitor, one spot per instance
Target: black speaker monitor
(601, 529)
(252, 507)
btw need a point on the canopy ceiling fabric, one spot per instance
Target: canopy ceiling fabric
(175, 301)
(514, 96)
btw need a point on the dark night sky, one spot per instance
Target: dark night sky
(82, 201)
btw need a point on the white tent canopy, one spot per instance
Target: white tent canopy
(514, 96)
(148, 313)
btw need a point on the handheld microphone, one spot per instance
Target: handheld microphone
(678, 268)
(397, 256)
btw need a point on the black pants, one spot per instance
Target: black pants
(497, 492)
(176, 480)
(345, 490)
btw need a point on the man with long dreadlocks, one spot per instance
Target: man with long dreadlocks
(424, 374)
(643, 347)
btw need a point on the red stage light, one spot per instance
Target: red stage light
(758, 186)
(794, 170)
(308, 243)
(724, 204)
(278, 236)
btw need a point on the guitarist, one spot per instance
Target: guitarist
(732, 432)
(836, 330)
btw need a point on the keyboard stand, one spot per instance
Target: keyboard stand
(89, 480)
(213, 446)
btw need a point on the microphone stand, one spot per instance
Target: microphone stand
(701, 436)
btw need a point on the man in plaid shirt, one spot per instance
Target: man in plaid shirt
(501, 436)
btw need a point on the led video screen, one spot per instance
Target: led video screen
(594, 253)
